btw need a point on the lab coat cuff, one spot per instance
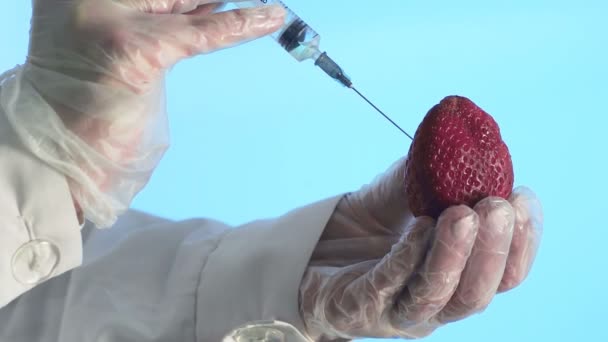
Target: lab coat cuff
(40, 231)
(256, 271)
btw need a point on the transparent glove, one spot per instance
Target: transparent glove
(265, 331)
(379, 272)
(89, 100)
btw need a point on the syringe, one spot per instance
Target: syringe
(302, 42)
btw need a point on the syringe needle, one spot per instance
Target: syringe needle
(381, 112)
(334, 71)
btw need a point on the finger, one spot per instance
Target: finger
(436, 281)
(169, 6)
(186, 6)
(226, 29)
(198, 6)
(526, 238)
(157, 42)
(485, 267)
(204, 9)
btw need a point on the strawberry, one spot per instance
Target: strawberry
(457, 157)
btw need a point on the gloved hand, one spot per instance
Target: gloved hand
(89, 100)
(379, 272)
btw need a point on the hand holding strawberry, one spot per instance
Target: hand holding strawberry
(429, 242)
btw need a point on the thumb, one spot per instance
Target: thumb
(353, 301)
(385, 198)
(181, 36)
(358, 308)
(386, 280)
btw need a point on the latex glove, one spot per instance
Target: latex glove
(379, 272)
(89, 100)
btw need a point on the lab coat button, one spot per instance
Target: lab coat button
(35, 261)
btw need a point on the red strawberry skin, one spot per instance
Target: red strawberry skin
(457, 157)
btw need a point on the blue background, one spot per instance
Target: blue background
(255, 134)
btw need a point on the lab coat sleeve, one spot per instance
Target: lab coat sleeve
(149, 279)
(256, 271)
(39, 231)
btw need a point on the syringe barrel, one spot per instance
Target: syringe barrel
(301, 41)
(296, 37)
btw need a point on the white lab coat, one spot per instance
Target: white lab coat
(147, 278)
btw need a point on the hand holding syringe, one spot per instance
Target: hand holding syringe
(302, 42)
